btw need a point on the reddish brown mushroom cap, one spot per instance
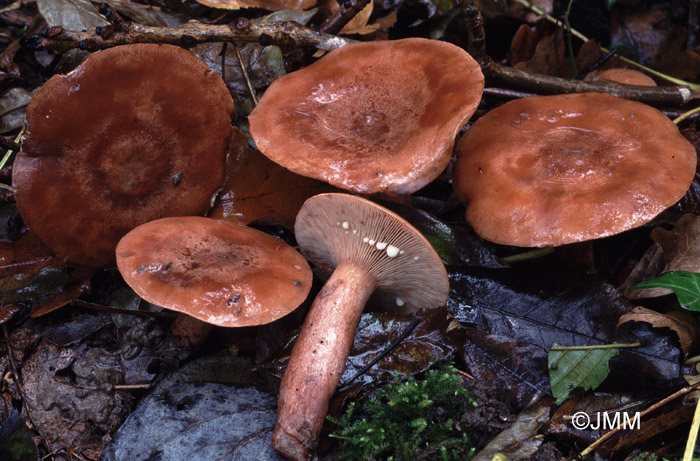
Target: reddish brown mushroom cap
(135, 133)
(625, 76)
(216, 271)
(333, 229)
(371, 117)
(550, 170)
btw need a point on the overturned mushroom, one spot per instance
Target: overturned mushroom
(371, 117)
(135, 133)
(549, 170)
(372, 249)
(218, 272)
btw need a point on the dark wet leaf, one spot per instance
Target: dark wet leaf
(517, 370)
(12, 108)
(433, 340)
(16, 442)
(147, 14)
(222, 368)
(70, 14)
(71, 394)
(258, 189)
(545, 307)
(576, 368)
(539, 307)
(436, 338)
(263, 66)
(520, 440)
(456, 243)
(686, 285)
(198, 421)
(299, 16)
(71, 333)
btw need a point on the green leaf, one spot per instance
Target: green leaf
(570, 368)
(686, 286)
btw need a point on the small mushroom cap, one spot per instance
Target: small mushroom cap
(332, 229)
(625, 76)
(216, 271)
(371, 117)
(549, 170)
(135, 133)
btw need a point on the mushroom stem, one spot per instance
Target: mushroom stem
(318, 360)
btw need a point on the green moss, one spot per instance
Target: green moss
(409, 420)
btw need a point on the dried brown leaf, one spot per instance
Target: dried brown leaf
(674, 250)
(257, 188)
(680, 322)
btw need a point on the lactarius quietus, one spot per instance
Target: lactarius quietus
(374, 117)
(373, 251)
(550, 170)
(135, 133)
(218, 272)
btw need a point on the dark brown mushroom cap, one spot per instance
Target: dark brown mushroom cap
(216, 271)
(550, 170)
(135, 133)
(371, 117)
(332, 229)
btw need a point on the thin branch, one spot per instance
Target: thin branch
(287, 35)
(660, 95)
(477, 35)
(642, 414)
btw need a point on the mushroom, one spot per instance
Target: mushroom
(135, 133)
(372, 249)
(550, 170)
(621, 75)
(371, 117)
(218, 272)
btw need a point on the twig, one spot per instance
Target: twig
(415, 321)
(656, 406)
(245, 75)
(686, 115)
(596, 347)
(692, 435)
(9, 144)
(660, 95)
(477, 35)
(20, 387)
(116, 310)
(287, 34)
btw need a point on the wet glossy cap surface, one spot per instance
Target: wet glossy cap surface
(336, 228)
(371, 117)
(550, 170)
(135, 133)
(216, 271)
